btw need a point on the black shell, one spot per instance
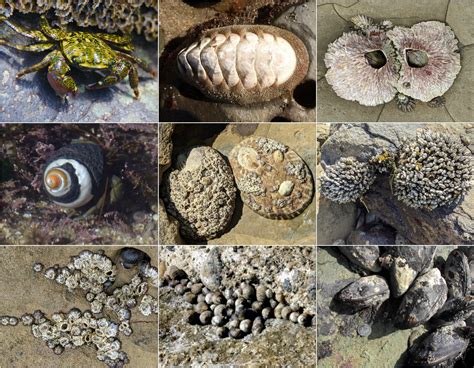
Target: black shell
(426, 296)
(457, 274)
(366, 292)
(407, 263)
(89, 155)
(132, 256)
(444, 345)
(366, 257)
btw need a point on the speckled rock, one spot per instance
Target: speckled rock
(169, 227)
(273, 180)
(199, 191)
(165, 146)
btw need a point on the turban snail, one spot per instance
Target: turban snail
(74, 175)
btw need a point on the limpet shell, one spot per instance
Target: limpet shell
(263, 178)
(244, 64)
(200, 193)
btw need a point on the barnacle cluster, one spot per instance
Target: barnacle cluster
(378, 61)
(94, 273)
(111, 15)
(433, 170)
(347, 180)
(74, 329)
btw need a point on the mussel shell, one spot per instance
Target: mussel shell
(421, 302)
(408, 263)
(366, 292)
(457, 274)
(366, 257)
(444, 345)
(89, 155)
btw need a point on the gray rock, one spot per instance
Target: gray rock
(374, 235)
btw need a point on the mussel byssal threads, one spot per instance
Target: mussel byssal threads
(74, 175)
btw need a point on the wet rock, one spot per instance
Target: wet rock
(169, 228)
(366, 257)
(378, 234)
(166, 147)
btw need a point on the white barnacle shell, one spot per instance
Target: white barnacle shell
(362, 68)
(429, 57)
(244, 64)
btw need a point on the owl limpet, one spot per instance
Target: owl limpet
(200, 193)
(273, 180)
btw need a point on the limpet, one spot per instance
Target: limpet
(244, 64)
(280, 193)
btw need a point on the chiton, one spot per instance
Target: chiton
(273, 180)
(244, 64)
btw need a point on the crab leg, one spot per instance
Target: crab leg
(57, 70)
(118, 71)
(37, 47)
(37, 36)
(141, 63)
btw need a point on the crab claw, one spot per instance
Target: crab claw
(63, 85)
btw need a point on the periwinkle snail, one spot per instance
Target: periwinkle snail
(75, 177)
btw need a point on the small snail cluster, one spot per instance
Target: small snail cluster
(74, 175)
(431, 171)
(235, 312)
(94, 273)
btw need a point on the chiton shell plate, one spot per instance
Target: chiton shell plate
(244, 64)
(273, 180)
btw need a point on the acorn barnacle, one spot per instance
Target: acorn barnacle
(433, 170)
(73, 175)
(244, 64)
(347, 180)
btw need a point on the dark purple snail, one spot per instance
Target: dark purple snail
(74, 175)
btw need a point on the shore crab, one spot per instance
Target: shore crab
(104, 53)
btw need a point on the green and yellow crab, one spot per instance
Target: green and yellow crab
(83, 50)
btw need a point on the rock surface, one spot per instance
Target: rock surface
(31, 98)
(334, 19)
(447, 225)
(24, 291)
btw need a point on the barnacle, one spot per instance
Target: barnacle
(432, 170)
(362, 66)
(429, 57)
(347, 180)
(111, 15)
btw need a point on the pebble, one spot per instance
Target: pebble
(364, 330)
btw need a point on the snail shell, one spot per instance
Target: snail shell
(74, 175)
(244, 64)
